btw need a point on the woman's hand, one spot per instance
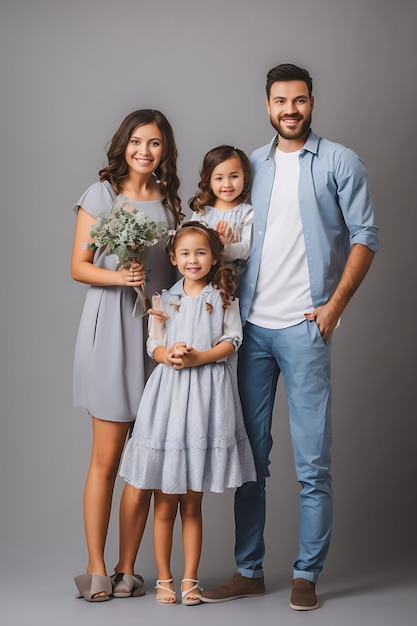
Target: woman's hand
(133, 276)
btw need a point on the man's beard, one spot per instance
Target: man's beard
(288, 133)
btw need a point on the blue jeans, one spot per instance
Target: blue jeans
(304, 360)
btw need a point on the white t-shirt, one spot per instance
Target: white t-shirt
(283, 291)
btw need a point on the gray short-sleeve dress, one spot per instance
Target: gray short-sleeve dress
(111, 365)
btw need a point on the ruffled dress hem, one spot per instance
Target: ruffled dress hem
(174, 470)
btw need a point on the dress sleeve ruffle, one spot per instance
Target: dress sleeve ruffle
(232, 326)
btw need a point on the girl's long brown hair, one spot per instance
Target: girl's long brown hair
(117, 169)
(221, 277)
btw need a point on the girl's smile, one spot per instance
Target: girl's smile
(227, 181)
(194, 258)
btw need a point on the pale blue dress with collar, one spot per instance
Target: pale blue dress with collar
(189, 432)
(240, 219)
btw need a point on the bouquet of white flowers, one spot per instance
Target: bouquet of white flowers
(126, 232)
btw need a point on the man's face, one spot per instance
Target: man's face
(289, 107)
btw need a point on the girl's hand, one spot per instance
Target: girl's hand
(192, 358)
(174, 355)
(225, 231)
(160, 316)
(133, 276)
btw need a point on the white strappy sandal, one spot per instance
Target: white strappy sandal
(171, 596)
(191, 602)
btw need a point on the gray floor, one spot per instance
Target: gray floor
(383, 599)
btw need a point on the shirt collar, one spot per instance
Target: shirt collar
(311, 144)
(178, 288)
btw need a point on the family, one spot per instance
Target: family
(275, 248)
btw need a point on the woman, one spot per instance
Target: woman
(111, 366)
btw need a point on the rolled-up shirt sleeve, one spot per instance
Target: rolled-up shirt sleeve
(355, 200)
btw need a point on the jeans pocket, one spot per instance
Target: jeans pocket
(314, 332)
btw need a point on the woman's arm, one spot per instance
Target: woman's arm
(82, 268)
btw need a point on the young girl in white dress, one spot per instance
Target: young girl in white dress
(221, 201)
(111, 365)
(189, 435)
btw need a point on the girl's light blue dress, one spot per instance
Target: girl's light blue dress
(189, 432)
(240, 219)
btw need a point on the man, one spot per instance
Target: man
(314, 241)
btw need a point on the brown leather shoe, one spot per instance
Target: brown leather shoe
(237, 587)
(303, 595)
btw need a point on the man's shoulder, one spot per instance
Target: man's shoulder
(327, 146)
(333, 155)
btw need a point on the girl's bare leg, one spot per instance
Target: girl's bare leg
(192, 537)
(165, 512)
(134, 509)
(108, 442)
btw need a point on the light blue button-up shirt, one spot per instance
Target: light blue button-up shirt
(335, 207)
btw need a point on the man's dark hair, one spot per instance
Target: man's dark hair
(286, 72)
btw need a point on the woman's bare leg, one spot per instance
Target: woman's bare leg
(108, 443)
(134, 509)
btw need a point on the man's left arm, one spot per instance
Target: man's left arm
(357, 265)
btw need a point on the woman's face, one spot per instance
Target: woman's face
(144, 150)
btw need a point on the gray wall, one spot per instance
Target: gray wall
(70, 71)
